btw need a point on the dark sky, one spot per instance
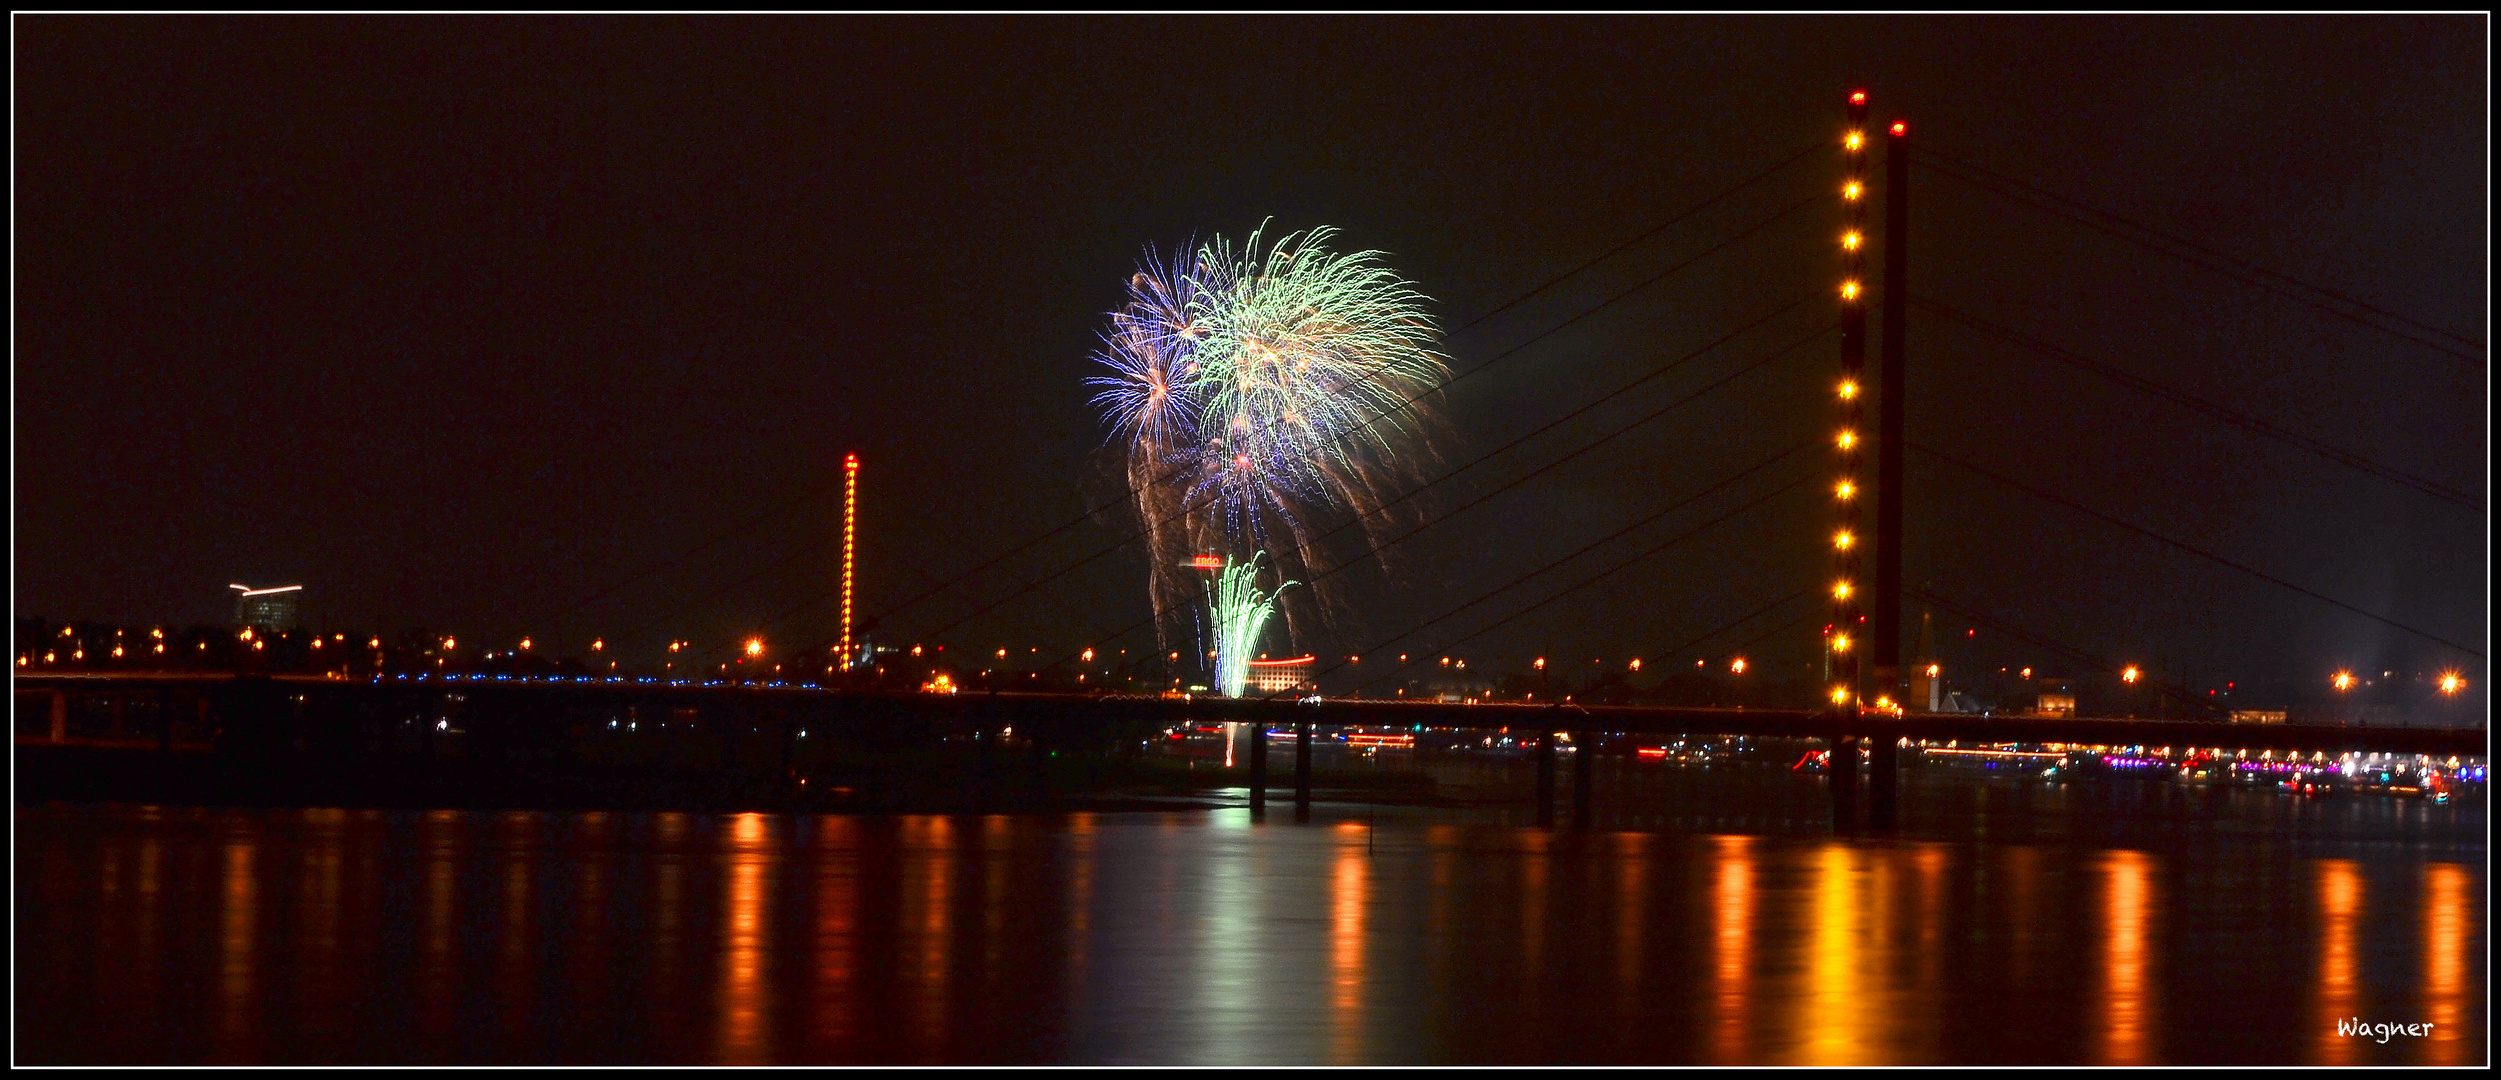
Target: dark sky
(468, 322)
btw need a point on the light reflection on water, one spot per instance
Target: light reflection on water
(329, 936)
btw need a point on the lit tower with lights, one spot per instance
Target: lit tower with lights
(1846, 641)
(850, 541)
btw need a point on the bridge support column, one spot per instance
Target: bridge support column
(1259, 769)
(1883, 782)
(60, 716)
(1584, 767)
(985, 736)
(1841, 775)
(121, 715)
(1040, 749)
(1545, 779)
(1302, 771)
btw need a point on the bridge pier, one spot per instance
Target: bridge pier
(1039, 751)
(1584, 751)
(1883, 781)
(985, 735)
(1302, 771)
(1545, 779)
(1841, 773)
(1259, 769)
(60, 716)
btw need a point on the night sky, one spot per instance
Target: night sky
(482, 324)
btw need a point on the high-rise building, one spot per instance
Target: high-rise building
(275, 608)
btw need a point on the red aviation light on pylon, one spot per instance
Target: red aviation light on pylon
(1900, 128)
(1207, 562)
(1858, 97)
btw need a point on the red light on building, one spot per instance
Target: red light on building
(1208, 562)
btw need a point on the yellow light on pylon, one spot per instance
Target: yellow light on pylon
(1854, 140)
(1847, 439)
(1849, 241)
(1932, 671)
(1636, 665)
(1737, 666)
(755, 646)
(1849, 290)
(2342, 681)
(598, 644)
(1539, 664)
(1846, 489)
(1852, 190)
(1841, 590)
(1840, 695)
(2130, 675)
(850, 537)
(1843, 540)
(1848, 389)
(1840, 642)
(2451, 682)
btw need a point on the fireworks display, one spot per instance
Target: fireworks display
(1266, 395)
(1237, 613)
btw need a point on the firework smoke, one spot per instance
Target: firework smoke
(1264, 395)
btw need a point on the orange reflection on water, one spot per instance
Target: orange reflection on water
(2448, 929)
(1533, 904)
(668, 887)
(235, 952)
(2334, 988)
(319, 912)
(1350, 891)
(746, 995)
(997, 841)
(143, 937)
(1081, 840)
(516, 975)
(1731, 940)
(1833, 1017)
(1443, 839)
(926, 921)
(837, 935)
(435, 971)
(1632, 908)
(589, 936)
(2127, 953)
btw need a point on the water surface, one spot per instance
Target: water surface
(320, 936)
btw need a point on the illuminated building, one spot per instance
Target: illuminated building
(276, 608)
(1278, 676)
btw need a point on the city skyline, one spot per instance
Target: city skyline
(509, 362)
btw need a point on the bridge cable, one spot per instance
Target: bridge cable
(2190, 548)
(1741, 236)
(2209, 409)
(2202, 257)
(1514, 483)
(1489, 362)
(1480, 459)
(1131, 491)
(2099, 664)
(1602, 575)
(1540, 470)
